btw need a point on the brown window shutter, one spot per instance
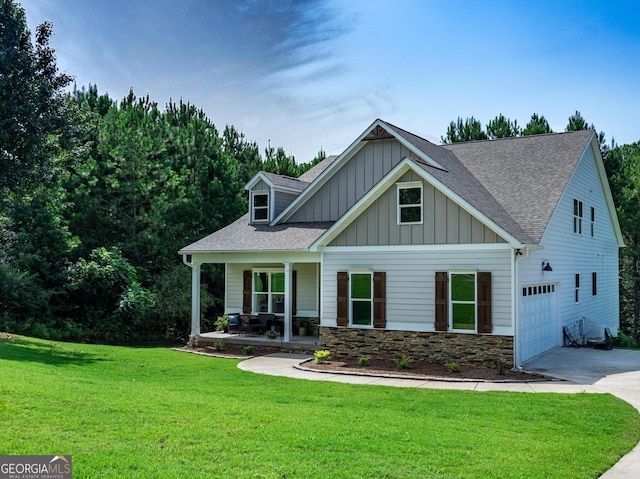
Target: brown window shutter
(379, 299)
(342, 318)
(442, 298)
(294, 292)
(484, 302)
(246, 292)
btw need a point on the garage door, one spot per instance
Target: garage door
(538, 320)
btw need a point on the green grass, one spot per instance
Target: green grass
(158, 413)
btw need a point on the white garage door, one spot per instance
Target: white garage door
(538, 320)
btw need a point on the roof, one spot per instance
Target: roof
(526, 175)
(500, 179)
(241, 236)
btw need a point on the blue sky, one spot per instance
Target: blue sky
(310, 74)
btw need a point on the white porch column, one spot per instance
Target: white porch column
(287, 302)
(195, 299)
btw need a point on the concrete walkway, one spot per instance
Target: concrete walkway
(581, 370)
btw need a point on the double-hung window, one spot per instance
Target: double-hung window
(577, 216)
(260, 206)
(463, 296)
(593, 222)
(361, 298)
(268, 292)
(410, 203)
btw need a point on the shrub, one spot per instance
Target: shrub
(453, 367)
(404, 362)
(248, 349)
(218, 346)
(364, 361)
(500, 365)
(322, 356)
(625, 341)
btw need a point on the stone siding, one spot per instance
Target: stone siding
(436, 347)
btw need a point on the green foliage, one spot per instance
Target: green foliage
(537, 125)
(502, 127)
(404, 362)
(500, 365)
(134, 319)
(218, 346)
(364, 361)
(31, 106)
(248, 349)
(453, 367)
(467, 130)
(625, 341)
(322, 356)
(222, 323)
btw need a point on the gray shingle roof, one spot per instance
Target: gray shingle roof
(527, 174)
(464, 183)
(241, 236)
(286, 181)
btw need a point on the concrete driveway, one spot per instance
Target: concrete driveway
(616, 372)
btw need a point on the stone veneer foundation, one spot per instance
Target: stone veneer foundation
(435, 347)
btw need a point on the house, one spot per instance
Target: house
(466, 252)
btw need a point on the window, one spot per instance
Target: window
(463, 301)
(577, 288)
(593, 221)
(268, 292)
(594, 284)
(409, 203)
(577, 217)
(361, 298)
(260, 207)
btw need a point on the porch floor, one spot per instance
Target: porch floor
(295, 343)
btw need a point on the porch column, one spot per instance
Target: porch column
(287, 301)
(195, 299)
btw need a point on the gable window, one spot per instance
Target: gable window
(260, 206)
(463, 301)
(577, 216)
(268, 292)
(410, 203)
(577, 288)
(361, 298)
(593, 221)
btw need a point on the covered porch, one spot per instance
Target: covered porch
(286, 285)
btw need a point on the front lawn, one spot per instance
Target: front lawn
(156, 413)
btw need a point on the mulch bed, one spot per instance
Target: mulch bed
(421, 369)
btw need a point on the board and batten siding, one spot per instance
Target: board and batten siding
(410, 282)
(570, 254)
(368, 165)
(444, 222)
(260, 186)
(307, 291)
(281, 201)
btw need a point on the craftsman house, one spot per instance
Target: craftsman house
(467, 252)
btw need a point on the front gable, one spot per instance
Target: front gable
(443, 221)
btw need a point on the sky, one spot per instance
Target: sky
(309, 75)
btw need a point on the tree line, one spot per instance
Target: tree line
(98, 195)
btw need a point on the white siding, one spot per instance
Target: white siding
(411, 282)
(570, 254)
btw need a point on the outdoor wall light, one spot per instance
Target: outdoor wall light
(546, 266)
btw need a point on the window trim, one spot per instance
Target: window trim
(451, 301)
(578, 208)
(351, 299)
(267, 208)
(405, 186)
(254, 293)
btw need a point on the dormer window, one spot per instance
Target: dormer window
(260, 207)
